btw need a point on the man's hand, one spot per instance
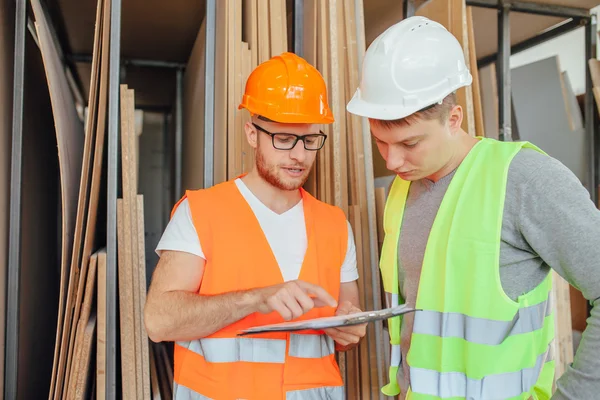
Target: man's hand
(347, 337)
(293, 299)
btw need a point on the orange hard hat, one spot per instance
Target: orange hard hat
(287, 89)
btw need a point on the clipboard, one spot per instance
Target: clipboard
(331, 322)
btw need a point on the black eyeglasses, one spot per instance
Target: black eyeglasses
(287, 141)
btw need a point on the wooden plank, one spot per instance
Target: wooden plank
(141, 275)
(246, 149)
(336, 56)
(90, 231)
(83, 383)
(154, 376)
(365, 377)
(70, 137)
(284, 26)
(221, 102)
(250, 27)
(71, 145)
(276, 24)
(83, 187)
(79, 365)
(264, 49)
(563, 343)
(323, 158)
(240, 51)
(594, 66)
(477, 107)
(489, 100)
(193, 115)
(126, 281)
(380, 205)
(232, 56)
(101, 332)
(130, 183)
(310, 55)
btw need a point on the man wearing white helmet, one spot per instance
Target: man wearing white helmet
(473, 227)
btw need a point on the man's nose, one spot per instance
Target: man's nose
(395, 159)
(298, 152)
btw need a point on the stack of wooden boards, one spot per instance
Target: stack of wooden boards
(81, 314)
(333, 40)
(135, 363)
(81, 325)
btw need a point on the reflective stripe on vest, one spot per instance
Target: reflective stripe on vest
(181, 392)
(321, 393)
(499, 386)
(482, 330)
(227, 350)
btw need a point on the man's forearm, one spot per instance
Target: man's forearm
(181, 316)
(581, 380)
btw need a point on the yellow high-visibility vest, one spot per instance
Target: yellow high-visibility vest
(469, 340)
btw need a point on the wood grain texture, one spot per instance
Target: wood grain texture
(101, 328)
(193, 115)
(70, 137)
(477, 106)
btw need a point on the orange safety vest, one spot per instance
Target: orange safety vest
(295, 365)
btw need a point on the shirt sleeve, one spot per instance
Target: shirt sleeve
(180, 233)
(562, 225)
(349, 268)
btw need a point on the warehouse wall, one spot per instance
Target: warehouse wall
(7, 30)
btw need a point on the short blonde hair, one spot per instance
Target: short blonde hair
(439, 111)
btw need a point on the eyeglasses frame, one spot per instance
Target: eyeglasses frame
(297, 137)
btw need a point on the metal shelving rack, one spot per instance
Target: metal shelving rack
(577, 16)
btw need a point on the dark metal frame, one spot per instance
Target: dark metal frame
(14, 239)
(209, 92)
(112, 193)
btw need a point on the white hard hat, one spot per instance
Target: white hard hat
(413, 64)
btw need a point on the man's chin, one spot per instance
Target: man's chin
(289, 183)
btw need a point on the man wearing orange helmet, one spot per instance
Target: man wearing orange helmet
(258, 250)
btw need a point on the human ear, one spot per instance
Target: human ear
(251, 134)
(455, 118)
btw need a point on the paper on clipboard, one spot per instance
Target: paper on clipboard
(331, 322)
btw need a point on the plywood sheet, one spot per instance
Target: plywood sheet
(542, 116)
(70, 141)
(476, 86)
(96, 131)
(489, 100)
(193, 116)
(101, 328)
(40, 247)
(80, 366)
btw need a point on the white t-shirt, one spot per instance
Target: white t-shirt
(286, 234)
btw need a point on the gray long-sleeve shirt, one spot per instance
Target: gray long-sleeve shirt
(549, 221)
